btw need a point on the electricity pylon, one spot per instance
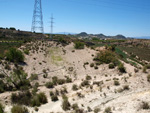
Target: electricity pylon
(37, 22)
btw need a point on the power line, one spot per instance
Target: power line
(52, 22)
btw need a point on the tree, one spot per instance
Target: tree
(14, 55)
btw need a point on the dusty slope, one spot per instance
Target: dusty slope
(63, 61)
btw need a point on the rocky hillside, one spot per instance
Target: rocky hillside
(53, 77)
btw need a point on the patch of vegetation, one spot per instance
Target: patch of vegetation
(126, 87)
(65, 104)
(54, 98)
(116, 83)
(148, 66)
(54, 80)
(26, 51)
(111, 66)
(14, 55)
(79, 45)
(96, 110)
(63, 41)
(49, 85)
(75, 106)
(148, 78)
(145, 105)
(18, 80)
(74, 87)
(26, 98)
(85, 83)
(141, 52)
(121, 68)
(39, 99)
(107, 110)
(61, 81)
(4, 46)
(19, 109)
(105, 57)
(23, 98)
(34, 77)
(88, 77)
(144, 69)
(92, 65)
(68, 80)
(1, 108)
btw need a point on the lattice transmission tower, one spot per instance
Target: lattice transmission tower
(37, 21)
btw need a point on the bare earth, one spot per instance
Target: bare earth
(58, 61)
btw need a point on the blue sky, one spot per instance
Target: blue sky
(110, 17)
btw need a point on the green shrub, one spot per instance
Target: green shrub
(2, 86)
(2, 75)
(85, 83)
(19, 109)
(1, 108)
(148, 66)
(36, 109)
(148, 78)
(79, 45)
(22, 98)
(105, 57)
(54, 80)
(145, 105)
(35, 101)
(88, 77)
(51, 93)
(65, 103)
(54, 98)
(92, 65)
(126, 87)
(116, 83)
(19, 79)
(49, 85)
(34, 77)
(111, 66)
(26, 51)
(96, 110)
(14, 55)
(68, 80)
(42, 98)
(107, 110)
(74, 87)
(95, 67)
(121, 68)
(75, 106)
(7, 67)
(144, 69)
(61, 81)
(62, 40)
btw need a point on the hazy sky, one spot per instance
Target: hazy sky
(110, 17)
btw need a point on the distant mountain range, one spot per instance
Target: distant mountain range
(101, 36)
(142, 37)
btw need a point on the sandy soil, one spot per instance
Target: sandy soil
(58, 61)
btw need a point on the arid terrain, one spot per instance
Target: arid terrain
(77, 80)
